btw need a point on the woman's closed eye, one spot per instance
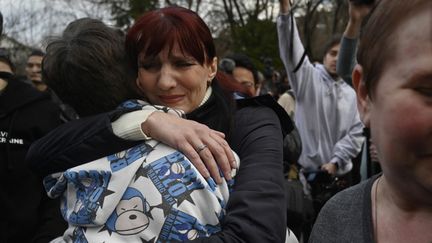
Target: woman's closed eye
(183, 64)
(422, 83)
(149, 65)
(426, 91)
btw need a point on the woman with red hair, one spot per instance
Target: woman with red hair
(172, 51)
(173, 55)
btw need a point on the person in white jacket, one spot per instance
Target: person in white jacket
(326, 112)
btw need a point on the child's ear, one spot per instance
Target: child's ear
(363, 99)
(138, 84)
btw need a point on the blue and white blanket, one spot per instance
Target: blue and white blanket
(148, 193)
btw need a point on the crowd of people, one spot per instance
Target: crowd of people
(150, 136)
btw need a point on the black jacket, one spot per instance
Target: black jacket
(28, 214)
(256, 207)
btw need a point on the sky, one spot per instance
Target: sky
(32, 21)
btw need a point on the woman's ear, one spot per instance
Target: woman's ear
(213, 69)
(363, 99)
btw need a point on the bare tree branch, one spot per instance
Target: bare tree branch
(239, 12)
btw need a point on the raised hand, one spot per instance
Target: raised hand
(357, 12)
(285, 6)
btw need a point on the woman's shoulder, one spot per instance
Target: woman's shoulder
(263, 109)
(255, 119)
(256, 112)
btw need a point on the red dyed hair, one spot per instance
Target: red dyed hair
(168, 26)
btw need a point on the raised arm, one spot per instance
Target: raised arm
(291, 51)
(357, 13)
(348, 49)
(285, 6)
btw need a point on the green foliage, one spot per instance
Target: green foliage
(258, 39)
(124, 12)
(138, 7)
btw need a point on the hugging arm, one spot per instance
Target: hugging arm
(76, 143)
(83, 140)
(187, 136)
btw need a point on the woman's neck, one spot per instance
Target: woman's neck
(214, 111)
(206, 96)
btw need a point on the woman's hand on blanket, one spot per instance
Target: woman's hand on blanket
(204, 147)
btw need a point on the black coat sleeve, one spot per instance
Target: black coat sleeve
(256, 207)
(76, 143)
(50, 221)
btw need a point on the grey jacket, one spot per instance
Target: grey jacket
(326, 110)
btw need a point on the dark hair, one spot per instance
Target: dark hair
(166, 27)
(244, 61)
(334, 40)
(37, 52)
(365, 2)
(377, 46)
(87, 67)
(5, 57)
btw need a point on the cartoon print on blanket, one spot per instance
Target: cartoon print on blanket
(147, 193)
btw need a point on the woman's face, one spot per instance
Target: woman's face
(400, 112)
(174, 79)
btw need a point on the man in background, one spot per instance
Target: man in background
(326, 109)
(33, 70)
(25, 116)
(34, 77)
